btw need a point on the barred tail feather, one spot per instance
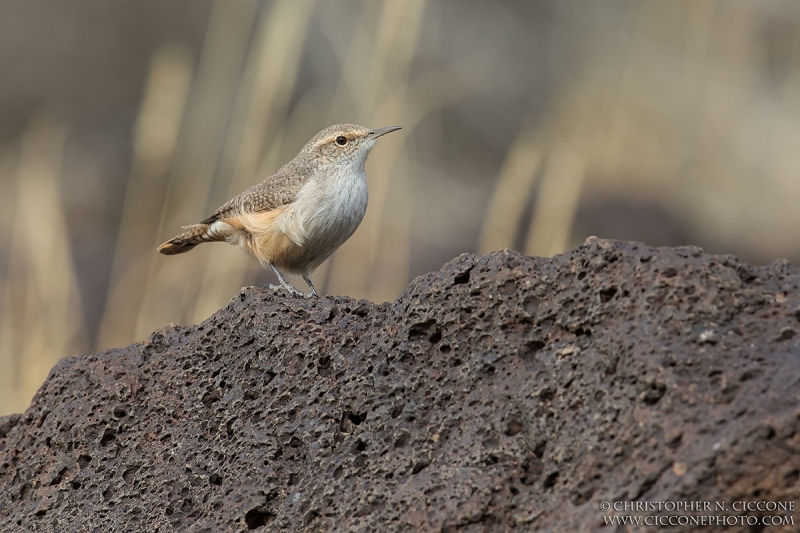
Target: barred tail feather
(194, 235)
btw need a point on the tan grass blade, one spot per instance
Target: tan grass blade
(556, 203)
(155, 142)
(12, 398)
(168, 296)
(43, 316)
(512, 191)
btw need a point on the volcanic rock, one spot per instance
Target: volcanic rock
(501, 393)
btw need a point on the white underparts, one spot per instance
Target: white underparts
(327, 211)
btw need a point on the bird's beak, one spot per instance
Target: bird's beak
(374, 134)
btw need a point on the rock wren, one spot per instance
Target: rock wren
(297, 217)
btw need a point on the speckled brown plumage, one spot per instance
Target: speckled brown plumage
(279, 189)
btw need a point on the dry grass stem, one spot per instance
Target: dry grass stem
(42, 313)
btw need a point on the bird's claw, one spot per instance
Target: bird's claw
(292, 291)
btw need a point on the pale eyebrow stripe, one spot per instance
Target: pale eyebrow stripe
(330, 139)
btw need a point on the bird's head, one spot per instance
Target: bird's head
(345, 145)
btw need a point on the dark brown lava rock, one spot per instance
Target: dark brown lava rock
(502, 393)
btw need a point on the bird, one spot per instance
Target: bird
(297, 217)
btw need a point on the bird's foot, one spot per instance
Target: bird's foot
(292, 291)
(291, 288)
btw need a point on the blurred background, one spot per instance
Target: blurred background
(526, 124)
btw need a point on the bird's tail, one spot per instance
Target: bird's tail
(194, 235)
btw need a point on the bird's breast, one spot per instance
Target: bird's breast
(330, 208)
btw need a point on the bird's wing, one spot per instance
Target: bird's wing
(277, 190)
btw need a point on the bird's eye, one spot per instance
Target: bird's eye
(341, 140)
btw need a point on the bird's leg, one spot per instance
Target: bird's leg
(313, 291)
(288, 286)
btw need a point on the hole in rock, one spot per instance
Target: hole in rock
(255, 518)
(462, 278)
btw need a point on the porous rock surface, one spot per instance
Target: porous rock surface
(501, 393)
